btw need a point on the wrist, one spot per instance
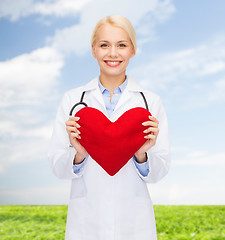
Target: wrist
(141, 157)
(78, 158)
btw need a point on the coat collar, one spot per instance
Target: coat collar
(131, 85)
(93, 87)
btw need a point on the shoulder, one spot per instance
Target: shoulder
(150, 96)
(153, 99)
(75, 93)
(154, 102)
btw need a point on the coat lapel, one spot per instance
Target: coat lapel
(126, 95)
(96, 94)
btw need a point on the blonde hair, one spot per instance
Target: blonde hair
(118, 21)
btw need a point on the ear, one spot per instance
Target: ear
(133, 52)
(93, 51)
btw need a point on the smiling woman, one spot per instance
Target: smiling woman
(113, 54)
(109, 196)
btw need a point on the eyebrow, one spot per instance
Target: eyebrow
(117, 42)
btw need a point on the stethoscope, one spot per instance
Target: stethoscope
(81, 102)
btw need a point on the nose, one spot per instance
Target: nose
(113, 52)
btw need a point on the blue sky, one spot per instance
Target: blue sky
(45, 51)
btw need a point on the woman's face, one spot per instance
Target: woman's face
(113, 50)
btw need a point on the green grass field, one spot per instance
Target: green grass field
(173, 222)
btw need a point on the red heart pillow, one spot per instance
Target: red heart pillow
(112, 144)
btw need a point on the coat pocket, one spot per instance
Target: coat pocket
(78, 188)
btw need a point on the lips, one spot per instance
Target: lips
(113, 63)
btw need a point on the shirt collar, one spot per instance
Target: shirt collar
(121, 88)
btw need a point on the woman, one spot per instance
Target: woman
(104, 207)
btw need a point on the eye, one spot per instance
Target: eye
(122, 45)
(104, 45)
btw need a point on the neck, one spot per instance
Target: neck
(112, 82)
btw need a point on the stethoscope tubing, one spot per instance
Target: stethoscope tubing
(85, 104)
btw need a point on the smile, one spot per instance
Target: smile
(113, 63)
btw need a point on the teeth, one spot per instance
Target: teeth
(113, 63)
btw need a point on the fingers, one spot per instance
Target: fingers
(74, 119)
(75, 134)
(153, 128)
(151, 136)
(153, 122)
(73, 122)
(72, 127)
(153, 119)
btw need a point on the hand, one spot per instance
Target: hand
(153, 131)
(74, 134)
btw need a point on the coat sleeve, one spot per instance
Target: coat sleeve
(159, 154)
(61, 154)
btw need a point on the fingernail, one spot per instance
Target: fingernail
(145, 131)
(77, 118)
(144, 123)
(78, 131)
(77, 125)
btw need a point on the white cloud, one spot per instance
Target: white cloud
(13, 129)
(181, 194)
(199, 158)
(25, 136)
(217, 91)
(196, 154)
(143, 14)
(16, 9)
(195, 177)
(21, 150)
(179, 149)
(27, 84)
(1, 169)
(185, 65)
(72, 39)
(57, 194)
(59, 8)
(44, 132)
(28, 78)
(213, 67)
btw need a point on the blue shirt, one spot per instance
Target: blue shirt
(110, 105)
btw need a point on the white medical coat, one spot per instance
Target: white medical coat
(104, 207)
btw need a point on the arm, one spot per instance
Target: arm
(61, 151)
(156, 149)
